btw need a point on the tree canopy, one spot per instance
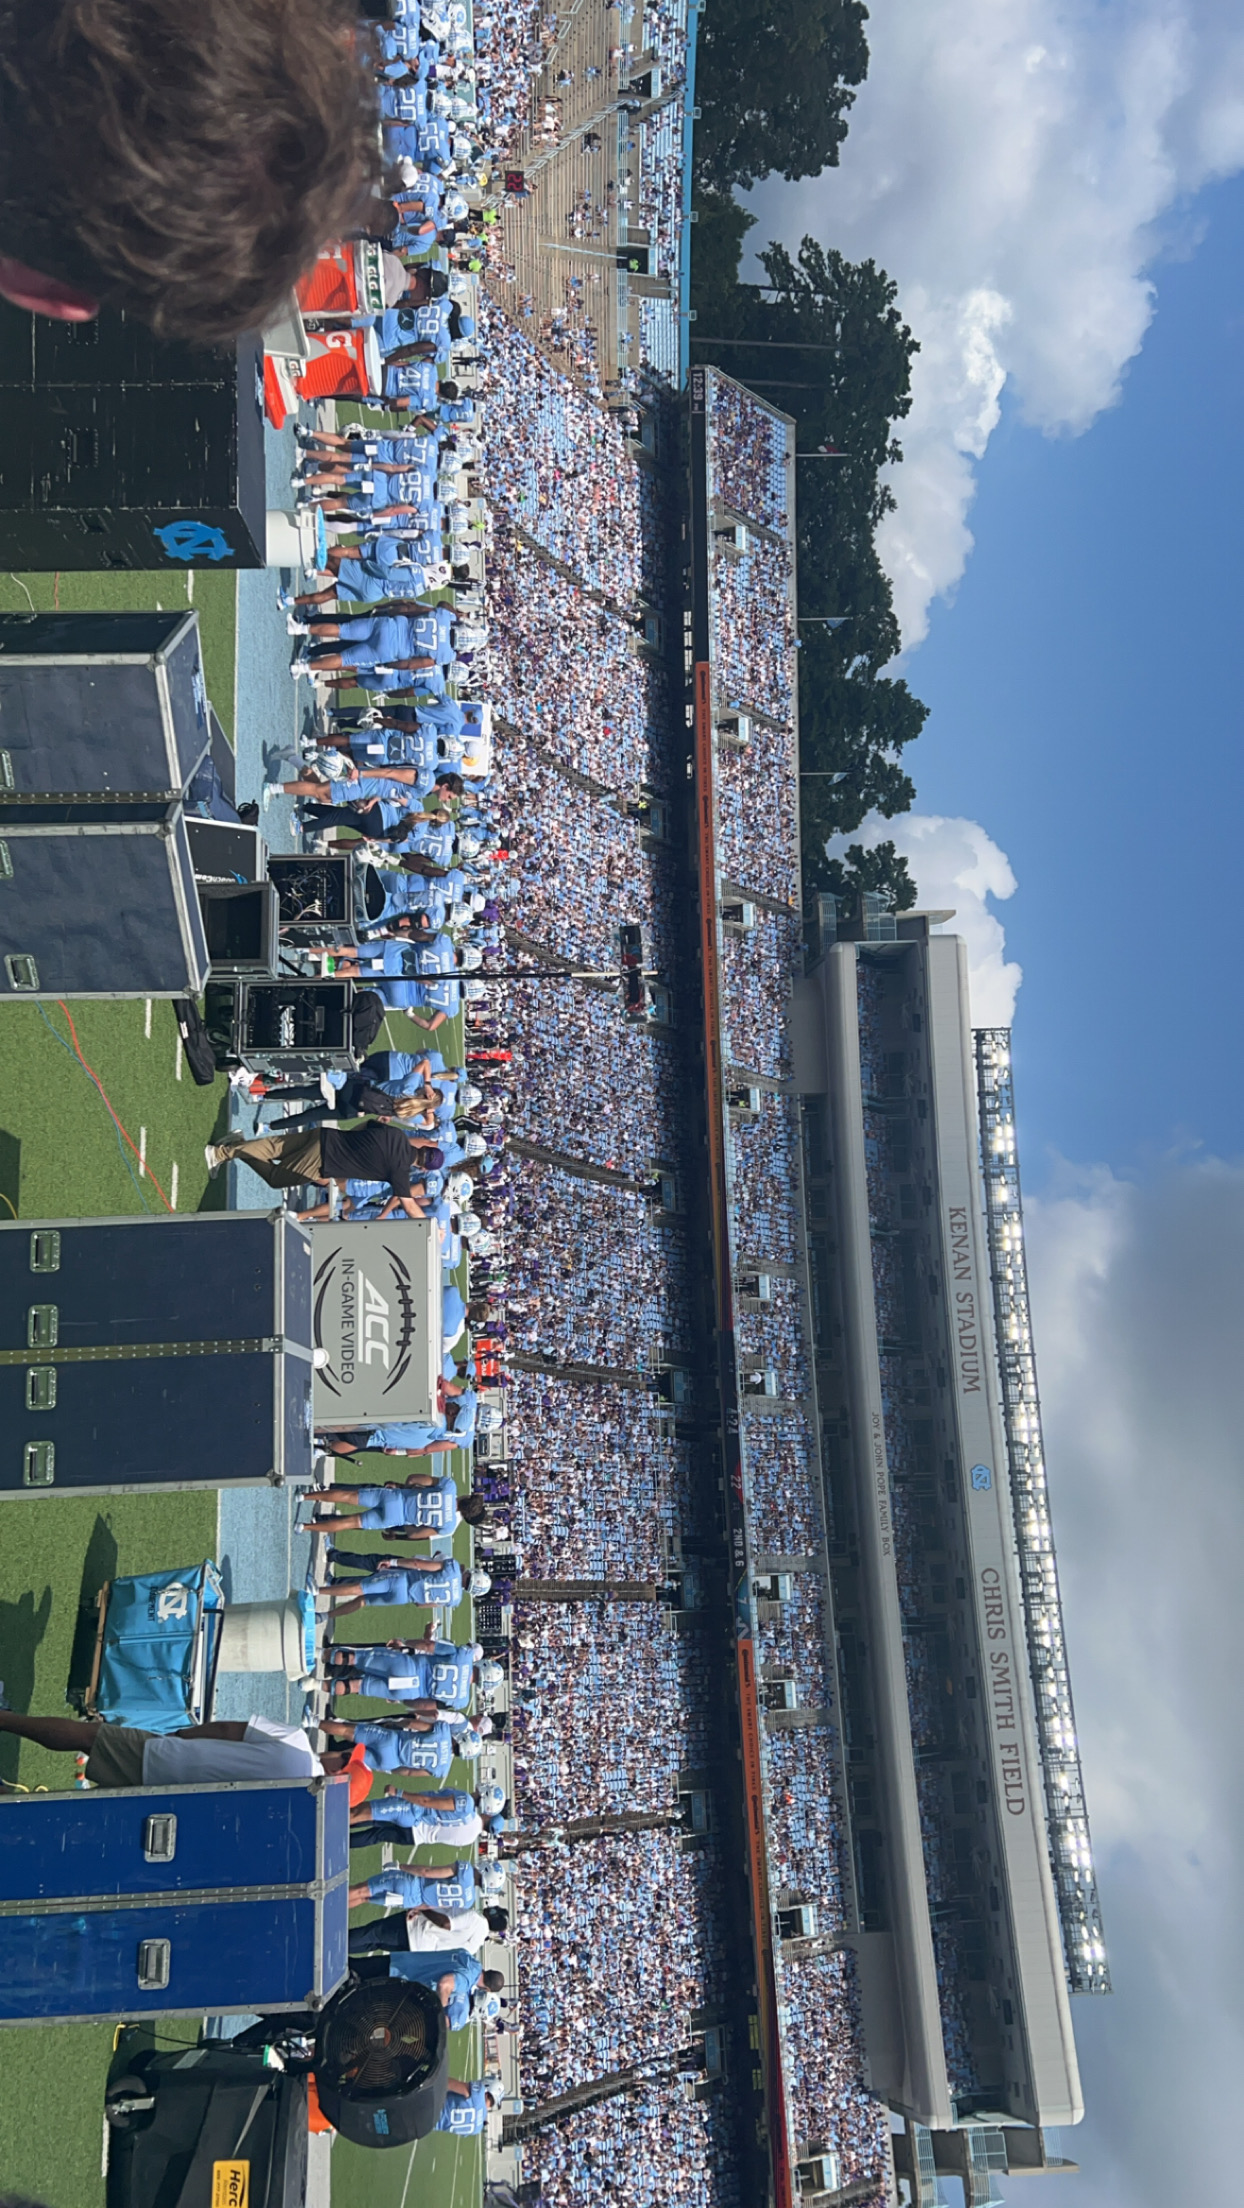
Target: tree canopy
(774, 87)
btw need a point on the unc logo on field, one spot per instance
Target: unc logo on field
(193, 540)
(981, 1476)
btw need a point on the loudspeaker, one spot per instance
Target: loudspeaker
(242, 923)
(99, 712)
(102, 908)
(119, 451)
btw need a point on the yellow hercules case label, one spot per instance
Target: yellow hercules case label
(231, 2184)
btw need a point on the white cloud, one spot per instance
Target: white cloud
(956, 866)
(1010, 163)
(1136, 1291)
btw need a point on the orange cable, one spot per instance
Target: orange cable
(108, 1106)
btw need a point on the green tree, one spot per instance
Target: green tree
(774, 87)
(882, 868)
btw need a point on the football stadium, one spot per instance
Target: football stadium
(701, 1794)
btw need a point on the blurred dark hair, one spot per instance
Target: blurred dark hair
(183, 159)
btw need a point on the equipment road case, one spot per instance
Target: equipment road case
(293, 1029)
(138, 1901)
(107, 708)
(322, 899)
(154, 1353)
(100, 908)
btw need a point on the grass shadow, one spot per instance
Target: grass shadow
(22, 1626)
(10, 1174)
(99, 1565)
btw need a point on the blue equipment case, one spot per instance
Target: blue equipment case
(154, 1353)
(101, 906)
(130, 1902)
(108, 709)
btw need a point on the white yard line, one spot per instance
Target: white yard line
(180, 1059)
(147, 1021)
(142, 1152)
(172, 1193)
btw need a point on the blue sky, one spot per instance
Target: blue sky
(1086, 688)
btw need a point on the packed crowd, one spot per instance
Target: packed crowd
(795, 1642)
(763, 1186)
(758, 968)
(756, 813)
(824, 2034)
(750, 450)
(604, 1284)
(511, 41)
(660, 1967)
(508, 546)
(782, 1484)
(571, 884)
(805, 1833)
(557, 465)
(593, 1088)
(675, 2151)
(566, 674)
(602, 1486)
(608, 1709)
(754, 627)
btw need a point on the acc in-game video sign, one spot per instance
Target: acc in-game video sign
(377, 1314)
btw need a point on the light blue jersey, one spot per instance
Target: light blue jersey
(465, 2114)
(390, 1748)
(448, 1889)
(409, 1585)
(428, 1970)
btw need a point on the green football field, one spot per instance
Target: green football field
(62, 1156)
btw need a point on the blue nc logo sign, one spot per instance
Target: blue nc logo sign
(981, 1476)
(194, 540)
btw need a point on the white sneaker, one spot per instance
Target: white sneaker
(300, 667)
(215, 1157)
(294, 626)
(327, 1091)
(271, 791)
(285, 600)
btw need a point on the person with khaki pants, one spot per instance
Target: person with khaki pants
(372, 1152)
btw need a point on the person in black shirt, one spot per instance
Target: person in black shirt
(372, 1152)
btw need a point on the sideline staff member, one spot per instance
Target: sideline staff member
(372, 1152)
(183, 162)
(125, 1755)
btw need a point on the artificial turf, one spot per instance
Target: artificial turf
(62, 1157)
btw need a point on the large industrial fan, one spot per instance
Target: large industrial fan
(378, 2053)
